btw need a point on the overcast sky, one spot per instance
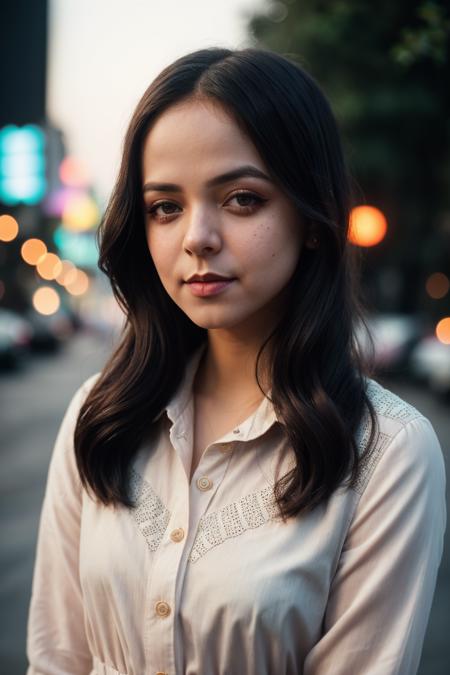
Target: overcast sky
(104, 53)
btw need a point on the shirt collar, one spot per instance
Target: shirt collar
(255, 425)
(182, 395)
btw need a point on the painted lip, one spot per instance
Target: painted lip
(208, 276)
(206, 288)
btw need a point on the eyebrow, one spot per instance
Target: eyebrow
(247, 171)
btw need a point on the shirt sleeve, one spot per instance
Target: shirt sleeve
(56, 640)
(381, 595)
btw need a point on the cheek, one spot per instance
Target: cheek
(275, 243)
(159, 251)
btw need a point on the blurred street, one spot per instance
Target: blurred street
(33, 401)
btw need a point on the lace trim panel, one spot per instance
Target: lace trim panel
(386, 404)
(150, 514)
(232, 520)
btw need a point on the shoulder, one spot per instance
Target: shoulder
(392, 412)
(64, 440)
(405, 438)
(82, 393)
(63, 478)
(88, 384)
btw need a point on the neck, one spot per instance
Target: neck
(227, 368)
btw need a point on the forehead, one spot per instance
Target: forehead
(200, 129)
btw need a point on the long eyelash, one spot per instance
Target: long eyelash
(152, 210)
(259, 200)
(246, 193)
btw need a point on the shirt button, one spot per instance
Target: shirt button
(204, 483)
(236, 431)
(177, 535)
(162, 609)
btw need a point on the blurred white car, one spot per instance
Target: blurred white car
(430, 363)
(16, 335)
(50, 331)
(394, 337)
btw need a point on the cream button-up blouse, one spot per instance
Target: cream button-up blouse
(203, 578)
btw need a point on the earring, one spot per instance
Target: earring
(313, 241)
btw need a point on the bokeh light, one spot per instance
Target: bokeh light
(80, 213)
(23, 164)
(49, 266)
(33, 250)
(71, 276)
(73, 173)
(443, 330)
(437, 285)
(368, 226)
(9, 228)
(56, 200)
(46, 300)
(79, 284)
(67, 269)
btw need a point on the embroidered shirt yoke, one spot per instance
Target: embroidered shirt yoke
(204, 578)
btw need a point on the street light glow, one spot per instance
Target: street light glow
(437, 285)
(49, 266)
(443, 330)
(33, 250)
(368, 226)
(79, 285)
(9, 228)
(46, 300)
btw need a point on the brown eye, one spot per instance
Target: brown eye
(247, 201)
(166, 209)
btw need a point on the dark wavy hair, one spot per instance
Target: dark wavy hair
(317, 367)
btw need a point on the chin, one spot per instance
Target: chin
(214, 323)
(211, 325)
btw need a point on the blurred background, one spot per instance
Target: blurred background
(71, 74)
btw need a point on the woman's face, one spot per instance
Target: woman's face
(206, 213)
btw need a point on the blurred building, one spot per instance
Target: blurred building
(41, 196)
(23, 40)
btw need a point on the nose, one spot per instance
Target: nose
(202, 236)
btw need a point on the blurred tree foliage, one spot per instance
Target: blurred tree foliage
(385, 68)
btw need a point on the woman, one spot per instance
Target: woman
(233, 493)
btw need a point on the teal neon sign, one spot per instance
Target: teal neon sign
(22, 164)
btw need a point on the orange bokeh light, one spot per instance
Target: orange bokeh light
(71, 277)
(79, 284)
(46, 300)
(33, 250)
(443, 330)
(49, 266)
(437, 285)
(67, 273)
(368, 226)
(9, 228)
